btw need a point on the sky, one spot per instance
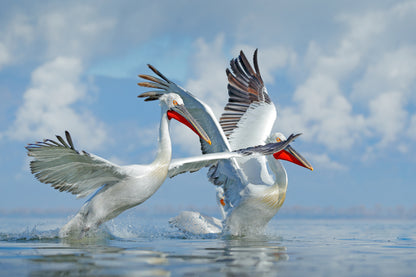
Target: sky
(343, 74)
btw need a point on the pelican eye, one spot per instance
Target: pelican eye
(222, 202)
(175, 102)
(278, 140)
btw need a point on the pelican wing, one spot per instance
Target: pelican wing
(192, 164)
(198, 109)
(249, 115)
(222, 172)
(66, 169)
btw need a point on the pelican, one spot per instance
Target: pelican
(118, 188)
(250, 190)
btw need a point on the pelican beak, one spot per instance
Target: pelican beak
(181, 114)
(289, 154)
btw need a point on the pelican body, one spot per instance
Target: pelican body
(250, 190)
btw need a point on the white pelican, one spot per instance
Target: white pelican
(120, 187)
(250, 189)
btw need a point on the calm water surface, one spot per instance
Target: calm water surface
(147, 246)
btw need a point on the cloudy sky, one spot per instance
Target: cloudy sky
(342, 74)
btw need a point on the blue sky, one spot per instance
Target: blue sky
(342, 74)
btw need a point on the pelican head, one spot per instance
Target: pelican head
(177, 110)
(288, 154)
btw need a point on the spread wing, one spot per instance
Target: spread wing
(66, 169)
(198, 109)
(249, 115)
(192, 164)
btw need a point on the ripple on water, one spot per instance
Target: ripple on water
(288, 247)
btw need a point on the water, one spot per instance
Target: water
(145, 245)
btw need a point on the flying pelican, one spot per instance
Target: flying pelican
(250, 190)
(119, 188)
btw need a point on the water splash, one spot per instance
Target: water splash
(125, 228)
(31, 233)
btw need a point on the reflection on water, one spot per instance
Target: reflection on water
(243, 257)
(238, 256)
(235, 256)
(93, 260)
(289, 247)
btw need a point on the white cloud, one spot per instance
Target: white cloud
(48, 106)
(387, 116)
(210, 81)
(75, 30)
(44, 33)
(17, 34)
(320, 161)
(394, 70)
(60, 39)
(323, 114)
(269, 59)
(323, 111)
(359, 89)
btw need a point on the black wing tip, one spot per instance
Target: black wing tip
(69, 140)
(154, 81)
(51, 143)
(268, 148)
(150, 95)
(256, 65)
(157, 72)
(62, 141)
(249, 78)
(255, 54)
(293, 136)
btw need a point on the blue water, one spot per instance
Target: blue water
(145, 245)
